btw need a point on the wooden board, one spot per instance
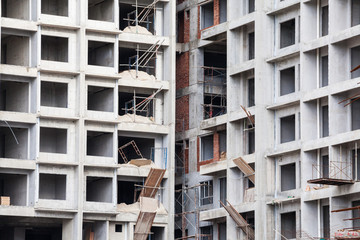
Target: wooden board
(140, 162)
(245, 168)
(239, 220)
(4, 200)
(152, 183)
(331, 181)
(143, 225)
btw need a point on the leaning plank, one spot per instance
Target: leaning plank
(239, 220)
(152, 183)
(146, 218)
(245, 168)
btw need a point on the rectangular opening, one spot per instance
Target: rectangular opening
(15, 50)
(206, 192)
(355, 214)
(15, 9)
(99, 189)
(325, 121)
(100, 99)
(206, 232)
(54, 48)
(288, 225)
(127, 102)
(288, 177)
(249, 183)
(94, 230)
(287, 33)
(223, 191)
(355, 12)
(355, 61)
(99, 144)
(355, 164)
(325, 166)
(53, 140)
(326, 221)
(324, 71)
(215, 101)
(145, 146)
(251, 4)
(55, 7)
(43, 233)
(128, 193)
(207, 147)
(223, 10)
(8, 145)
(355, 115)
(207, 15)
(251, 40)
(118, 227)
(222, 144)
(250, 140)
(127, 60)
(158, 233)
(15, 187)
(251, 92)
(127, 19)
(287, 81)
(287, 129)
(52, 186)
(324, 20)
(14, 96)
(54, 94)
(222, 231)
(101, 53)
(101, 10)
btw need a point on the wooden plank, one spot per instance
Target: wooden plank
(330, 181)
(245, 168)
(152, 183)
(239, 220)
(143, 225)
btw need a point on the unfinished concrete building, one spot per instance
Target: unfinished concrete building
(87, 119)
(267, 142)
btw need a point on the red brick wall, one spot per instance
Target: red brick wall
(216, 12)
(182, 70)
(216, 151)
(182, 112)
(186, 26)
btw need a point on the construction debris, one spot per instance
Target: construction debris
(141, 75)
(140, 162)
(137, 29)
(136, 118)
(135, 208)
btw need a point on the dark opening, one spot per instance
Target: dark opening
(127, 192)
(53, 140)
(251, 140)
(356, 214)
(287, 81)
(127, 60)
(99, 144)
(127, 17)
(355, 61)
(54, 94)
(287, 129)
(251, 45)
(101, 10)
(52, 186)
(287, 33)
(324, 71)
(207, 148)
(145, 146)
(55, 7)
(12, 94)
(101, 54)
(8, 145)
(99, 189)
(251, 92)
(325, 166)
(126, 104)
(118, 227)
(355, 12)
(251, 6)
(15, 187)
(54, 48)
(356, 165)
(207, 15)
(355, 115)
(45, 233)
(100, 99)
(326, 221)
(324, 20)
(325, 121)
(288, 225)
(288, 177)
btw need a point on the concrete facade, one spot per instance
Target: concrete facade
(64, 87)
(288, 63)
